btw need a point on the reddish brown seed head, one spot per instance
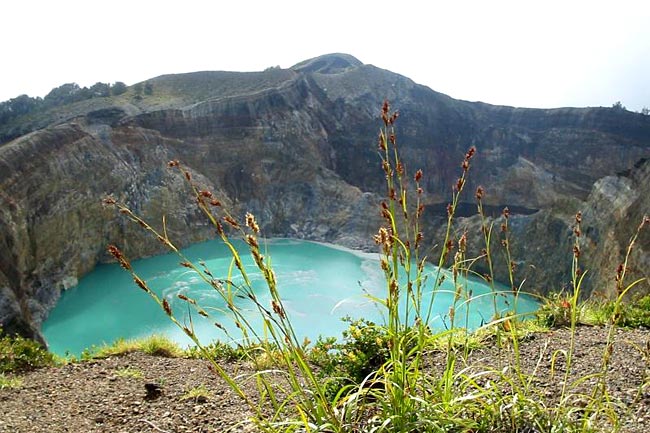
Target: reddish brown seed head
(140, 283)
(418, 176)
(167, 307)
(277, 309)
(121, 259)
(579, 217)
(230, 220)
(479, 193)
(251, 223)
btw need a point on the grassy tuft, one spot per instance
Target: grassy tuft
(198, 394)
(130, 372)
(156, 345)
(10, 382)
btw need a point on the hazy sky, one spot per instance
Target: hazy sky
(523, 53)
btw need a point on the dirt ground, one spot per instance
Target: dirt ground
(111, 395)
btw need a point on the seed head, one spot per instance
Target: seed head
(382, 142)
(173, 163)
(418, 239)
(400, 168)
(230, 220)
(479, 193)
(462, 243)
(578, 217)
(418, 175)
(115, 252)
(277, 309)
(384, 237)
(251, 223)
(619, 271)
(167, 307)
(506, 212)
(140, 282)
(252, 241)
(108, 201)
(385, 108)
(450, 245)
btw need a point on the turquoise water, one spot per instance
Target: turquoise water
(319, 285)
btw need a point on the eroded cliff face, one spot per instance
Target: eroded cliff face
(297, 147)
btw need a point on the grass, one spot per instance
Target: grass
(130, 373)
(156, 345)
(10, 382)
(198, 394)
(376, 379)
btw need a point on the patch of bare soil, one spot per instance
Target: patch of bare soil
(142, 393)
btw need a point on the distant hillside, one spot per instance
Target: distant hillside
(297, 147)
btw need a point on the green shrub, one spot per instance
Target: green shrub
(364, 349)
(19, 354)
(636, 314)
(216, 350)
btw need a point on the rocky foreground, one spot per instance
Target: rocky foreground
(111, 395)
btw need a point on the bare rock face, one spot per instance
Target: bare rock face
(297, 148)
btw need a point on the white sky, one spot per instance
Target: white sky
(524, 53)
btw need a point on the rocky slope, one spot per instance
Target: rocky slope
(297, 147)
